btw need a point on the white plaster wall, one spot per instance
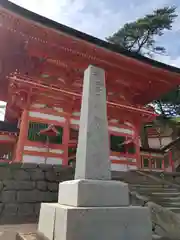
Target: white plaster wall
(122, 158)
(46, 116)
(166, 141)
(152, 154)
(77, 114)
(40, 160)
(40, 149)
(169, 169)
(33, 159)
(155, 143)
(75, 121)
(122, 167)
(120, 130)
(54, 161)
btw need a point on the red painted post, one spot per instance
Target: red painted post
(163, 165)
(22, 136)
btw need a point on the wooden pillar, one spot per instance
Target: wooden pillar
(150, 161)
(22, 136)
(66, 132)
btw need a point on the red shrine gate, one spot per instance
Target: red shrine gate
(41, 74)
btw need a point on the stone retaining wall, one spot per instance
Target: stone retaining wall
(24, 186)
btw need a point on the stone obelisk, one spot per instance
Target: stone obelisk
(92, 159)
(92, 206)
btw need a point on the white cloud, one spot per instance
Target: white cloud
(99, 18)
(169, 60)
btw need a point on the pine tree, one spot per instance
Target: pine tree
(141, 37)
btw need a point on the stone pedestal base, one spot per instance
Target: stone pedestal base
(60, 222)
(93, 193)
(93, 209)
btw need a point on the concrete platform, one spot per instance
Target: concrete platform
(87, 223)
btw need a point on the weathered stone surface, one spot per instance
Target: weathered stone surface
(59, 168)
(8, 196)
(117, 223)
(1, 186)
(50, 176)
(26, 209)
(29, 166)
(51, 197)
(10, 209)
(46, 224)
(37, 208)
(16, 165)
(167, 222)
(91, 161)
(45, 167)
(30, 196)
(17, 190)
(18, 185)
(36, 196)
(5, 173)
(53, 187)
(93, 193)
(41, 185)
(37, 174)
(21, 174)
(1, 207)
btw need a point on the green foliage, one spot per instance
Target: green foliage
(140, 36)
(169, 104)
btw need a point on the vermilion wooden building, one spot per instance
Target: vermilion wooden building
(41, 70)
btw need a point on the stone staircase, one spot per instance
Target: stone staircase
(148, 186)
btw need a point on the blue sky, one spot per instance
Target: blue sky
(101, 18)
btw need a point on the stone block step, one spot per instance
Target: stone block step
(165, 199)
(163, 195)
(153, 186)
(168, 204)
(153, 190)
(174, 209)
(27, 236)
(166, 194)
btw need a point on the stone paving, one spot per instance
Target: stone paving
(18, 232)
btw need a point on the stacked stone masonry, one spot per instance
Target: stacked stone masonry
(24, 186)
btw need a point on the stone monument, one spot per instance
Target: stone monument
(92, 206)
